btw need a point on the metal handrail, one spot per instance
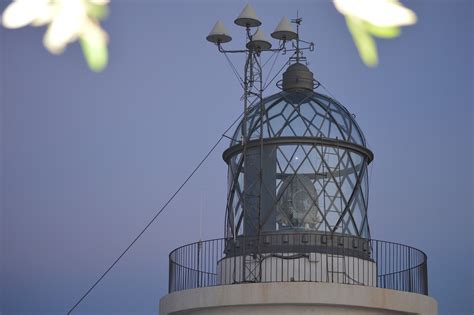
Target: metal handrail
(277, 258)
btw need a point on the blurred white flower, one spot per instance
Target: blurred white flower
(383, 13)
(69, 20)
(373, 18)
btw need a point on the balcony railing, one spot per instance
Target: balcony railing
(299, 257)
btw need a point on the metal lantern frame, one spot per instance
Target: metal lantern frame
(311, 135)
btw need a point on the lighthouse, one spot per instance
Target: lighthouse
(297, 235)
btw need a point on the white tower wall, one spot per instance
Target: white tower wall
(297, 298)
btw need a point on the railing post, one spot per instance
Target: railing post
(171, 275)
(426, 275)
(409, 271)
(198, 263)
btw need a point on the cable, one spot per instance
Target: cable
(155, 217)
(281, 69)
(327, 90)
(269, 58)
(271, 69)
(236, 73)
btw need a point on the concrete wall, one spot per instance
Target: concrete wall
(315, 267)
(295, 298)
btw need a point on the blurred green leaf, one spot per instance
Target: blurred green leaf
(96, 53)
(97, 11)
(383, 32)
(363, 40)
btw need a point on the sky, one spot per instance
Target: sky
(87, 159)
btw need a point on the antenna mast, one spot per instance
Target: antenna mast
(252, 84)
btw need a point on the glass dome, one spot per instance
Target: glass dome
(297, 163)
(301, 113)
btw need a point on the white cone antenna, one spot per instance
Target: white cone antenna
(219, 34)
(248, 18)
(284, 31)
(259, 42)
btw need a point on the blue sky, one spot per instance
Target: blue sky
(87, 158)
